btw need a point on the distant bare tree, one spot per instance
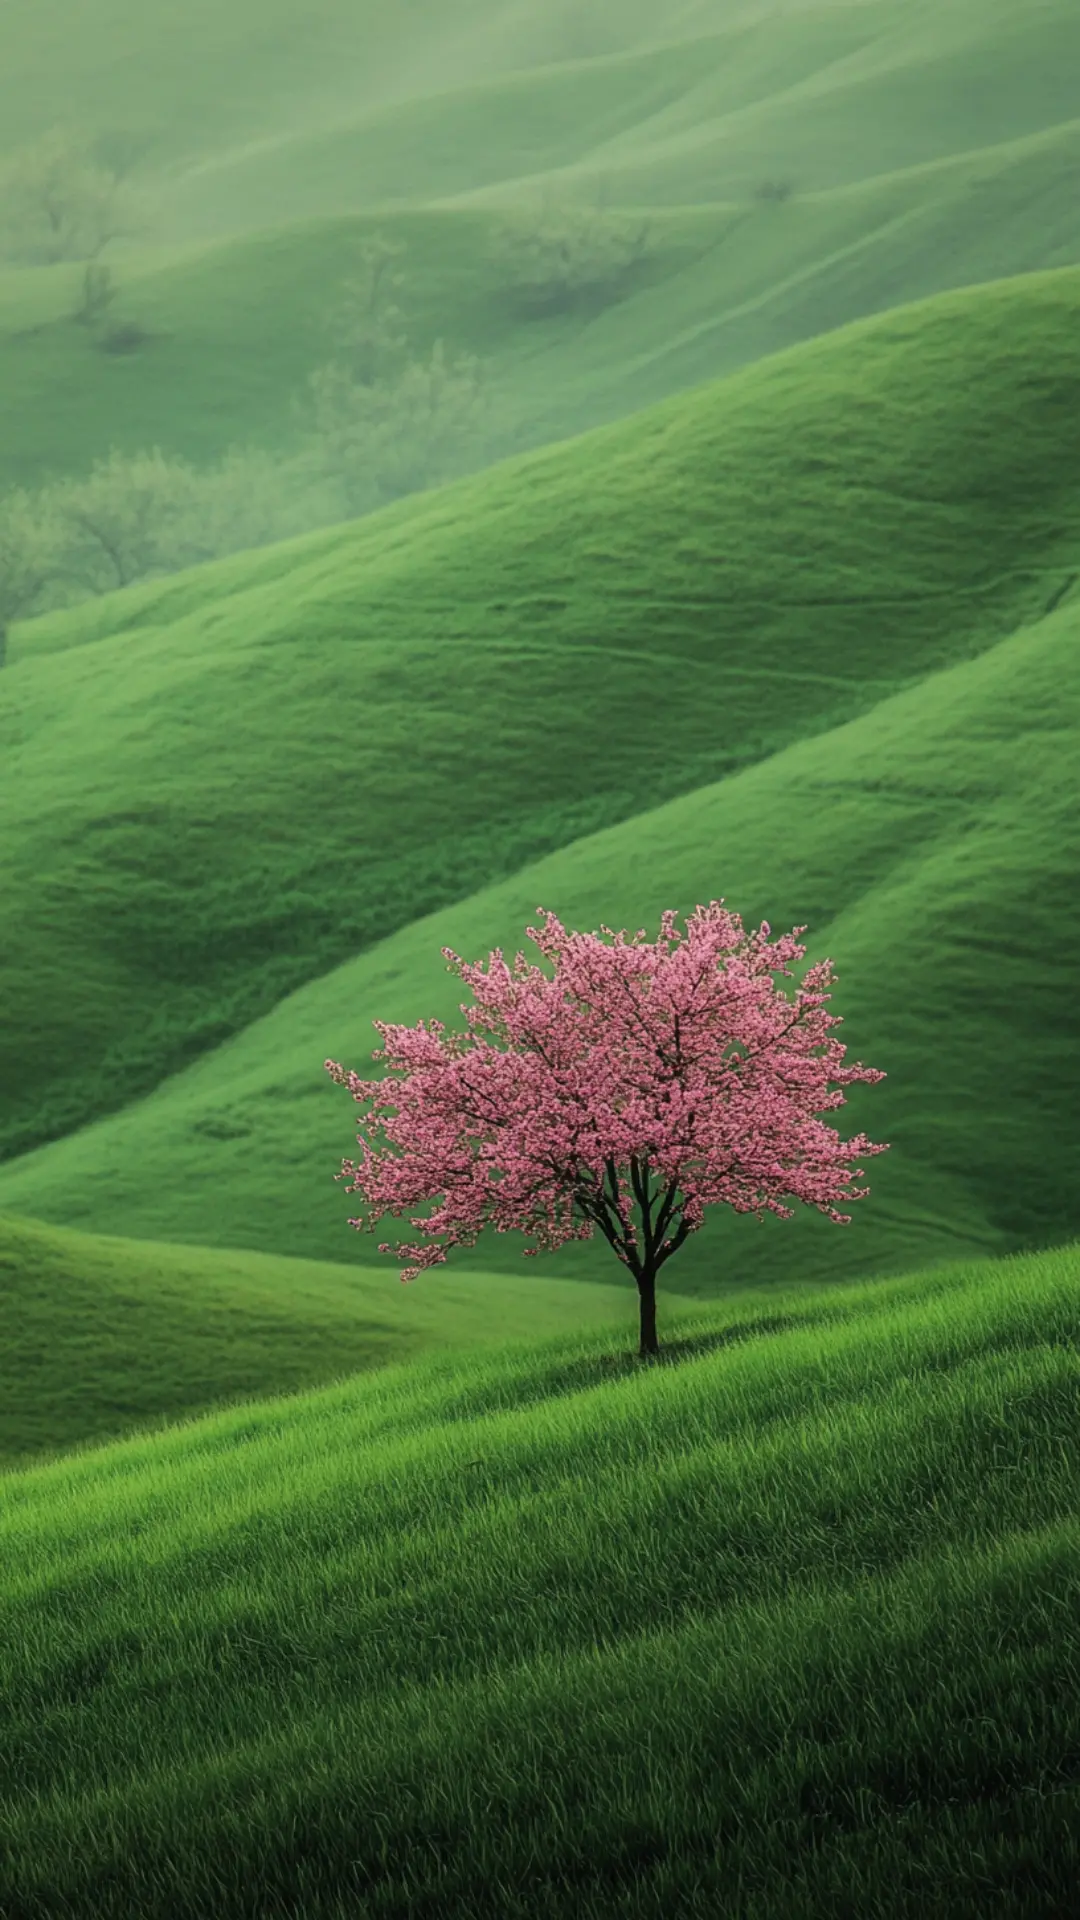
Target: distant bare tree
(363, 327)
(63, 198)
(138, 515)
(126, 518)
(97, 294)
(249, 499)
(385, 421)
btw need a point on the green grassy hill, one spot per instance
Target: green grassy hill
(930, 847)
(359, 105)
(784, 549)
(102, 1336)
(925, 147)
(776, 1627)
(222, 75)
(840, 94)
(235, 84)
(177, 862)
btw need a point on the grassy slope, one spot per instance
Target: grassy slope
(249, 76)
(881, 88)
(102, 1335)
(235, 327)
(777, 1627)
(840, 94)
(930, 846)
(224, 75)
(785, 549)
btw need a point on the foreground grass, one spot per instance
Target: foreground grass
(780, 1626)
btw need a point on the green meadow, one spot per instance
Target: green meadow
(327, 1596)
(777, 1627)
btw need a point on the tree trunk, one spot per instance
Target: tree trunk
(647, 1296)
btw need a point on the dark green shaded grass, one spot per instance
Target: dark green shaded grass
(779, 1625)
(241, 780)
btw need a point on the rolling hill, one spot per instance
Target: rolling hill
(778, 1625)
(252, 117)
(843, 94)
(928, 841)
(786, 548)
(920, 147)
(928, 845)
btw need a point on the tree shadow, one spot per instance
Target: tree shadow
(596, 1368)
(559, 1377)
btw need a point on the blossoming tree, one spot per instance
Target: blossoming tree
(679, 1062)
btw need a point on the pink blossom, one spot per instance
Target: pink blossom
(680, 1061)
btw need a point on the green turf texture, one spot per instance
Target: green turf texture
(775, 1627)
(871, 528)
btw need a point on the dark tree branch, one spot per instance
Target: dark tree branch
(666, 1211)
(677, 1239)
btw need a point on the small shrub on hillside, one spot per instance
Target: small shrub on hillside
(560, 255)
(124, 336)
(137, 516)
(379, 440)
(32, 553)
